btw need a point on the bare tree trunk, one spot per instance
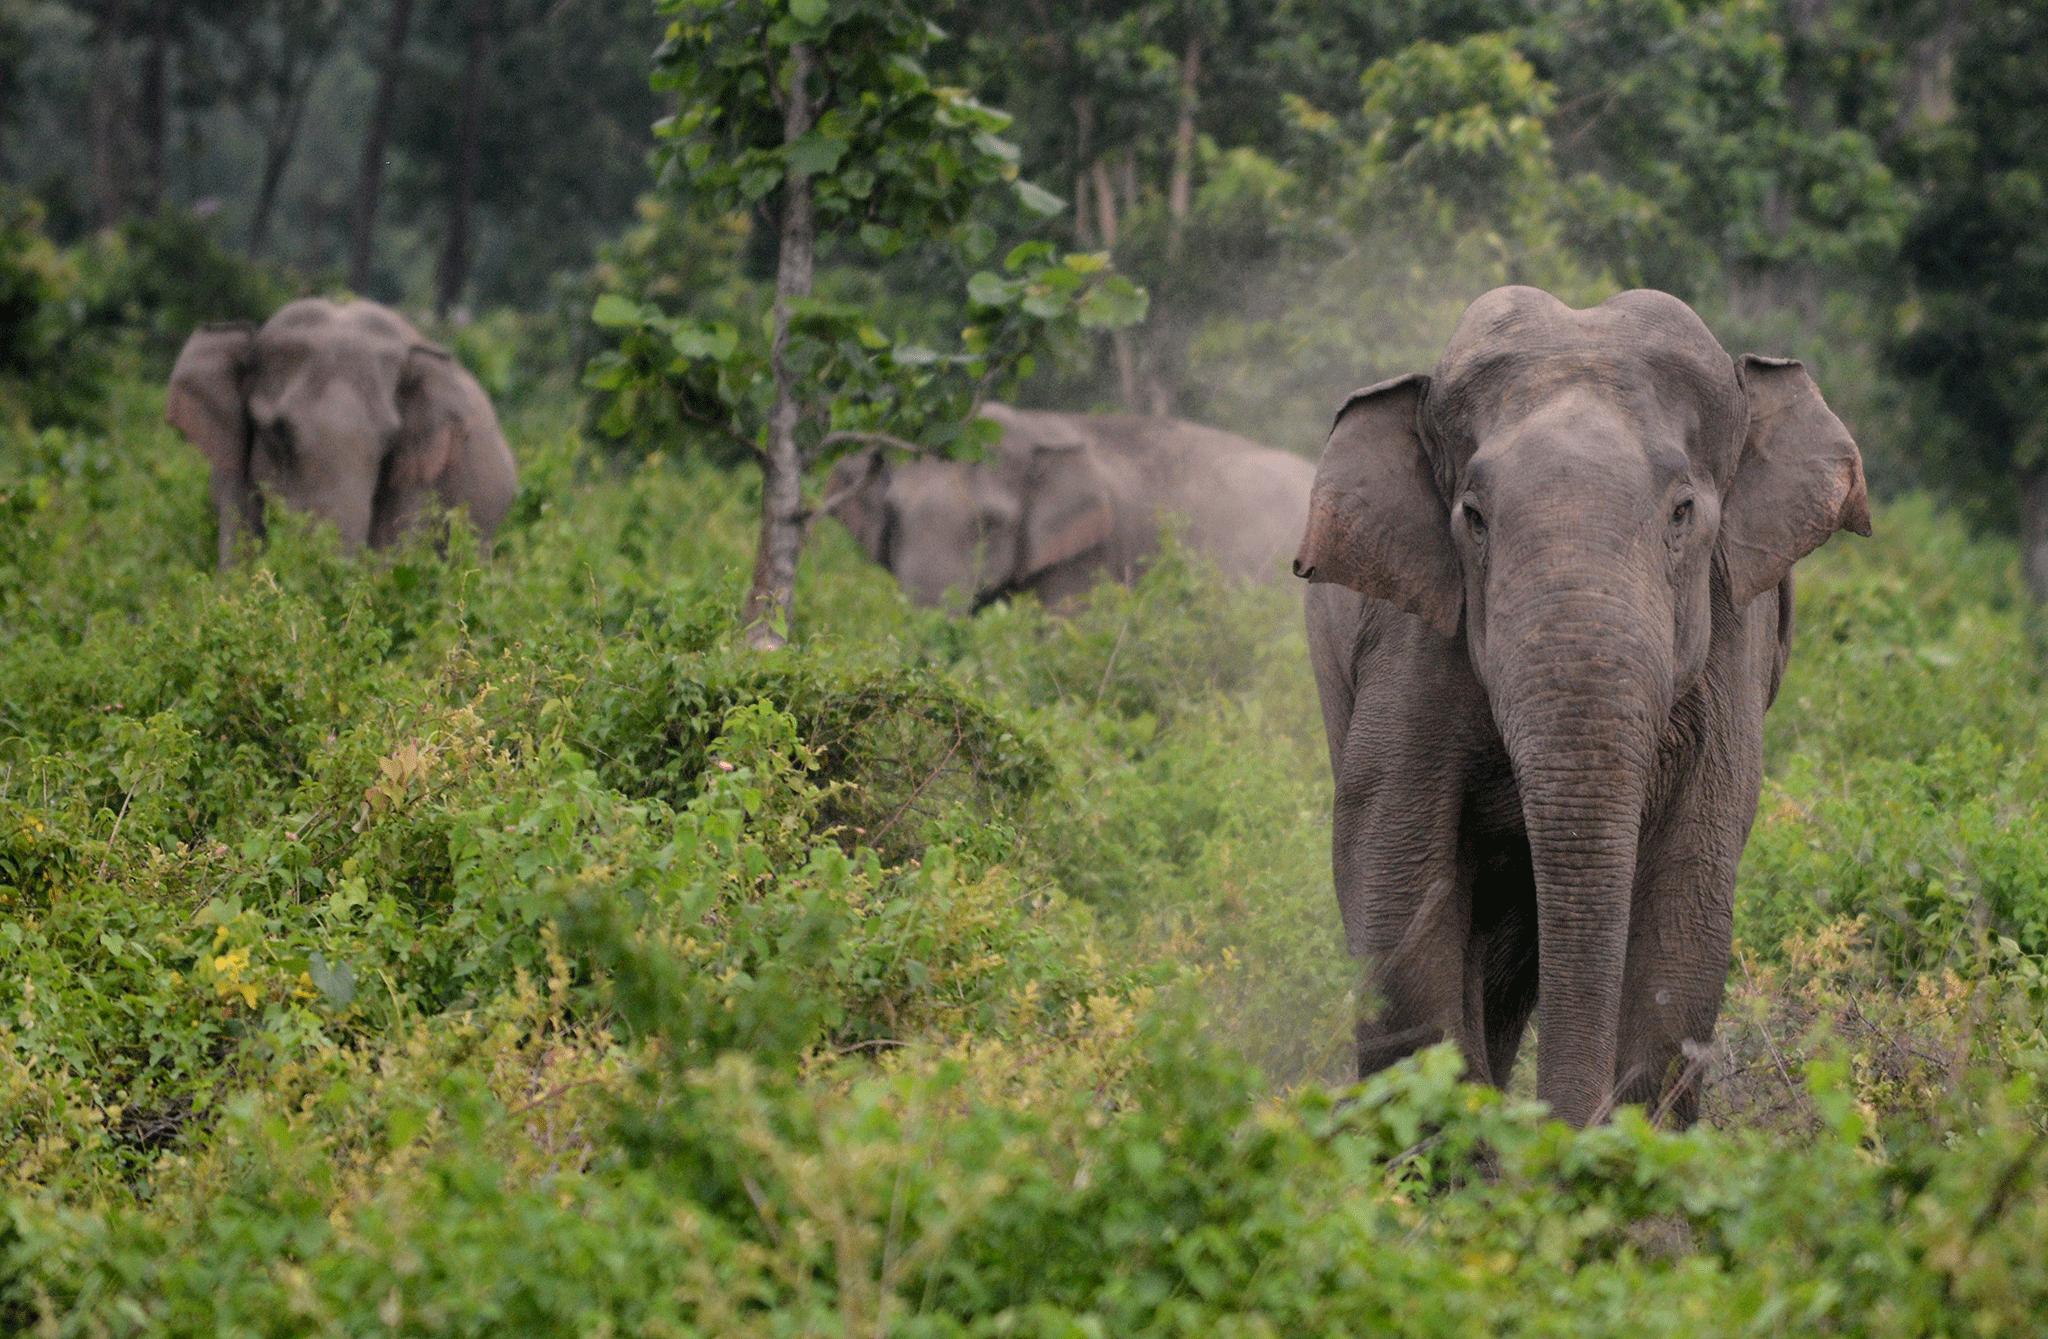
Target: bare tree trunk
(1084, 141)
(771, 601)
(1178, 188)
(108, 198)
(1105, 206)
(278, 144)
(1120, 342)
(370, 179)
(454, 270)
(154, 113)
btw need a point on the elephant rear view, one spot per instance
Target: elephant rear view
(1067, 499)
(342, 410)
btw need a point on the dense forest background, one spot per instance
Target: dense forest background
(1309, 191)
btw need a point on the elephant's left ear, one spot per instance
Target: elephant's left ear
(1800, 479)
(440, 406)
(204, 400)
(1066, 507)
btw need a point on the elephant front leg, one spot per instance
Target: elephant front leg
(1407, 903)
(1681, 926)
(238, 507)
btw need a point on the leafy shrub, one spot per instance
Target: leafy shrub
(157, 277)
(50, 369)
(410, 941)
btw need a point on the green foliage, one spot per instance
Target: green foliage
(421, 943)
(1975, 338)
(156, 278)
(50, 371)
(868, 382)
(1461, 122)
(891, 160)
(888, 150)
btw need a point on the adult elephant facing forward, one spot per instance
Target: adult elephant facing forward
(1066, 499)
(342, 410)
(1562, 602)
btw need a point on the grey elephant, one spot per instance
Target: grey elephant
(1066, 499)
(1554, 600)
(342, 410)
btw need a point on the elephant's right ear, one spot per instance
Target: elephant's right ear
(853, 493)
(1376, 522)
(205, 397)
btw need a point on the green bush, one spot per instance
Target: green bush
(425, 943)
(51, 370)
(157, 277)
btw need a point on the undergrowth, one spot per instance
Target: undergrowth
(432, 943)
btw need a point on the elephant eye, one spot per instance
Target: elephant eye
(1682, 513)
(1474, 521)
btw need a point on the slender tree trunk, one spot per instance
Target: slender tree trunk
(1121, 346)
(278, 144)
(1179, 186)
(154, 113)
(1163, 360)
(1084, 142)
(1105, 206)
(370, 178)
(771, 601)
(454, 269)
(108, 197)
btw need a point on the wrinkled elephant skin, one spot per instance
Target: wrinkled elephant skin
(342, 410)
(1067, 499)
(1553, 602)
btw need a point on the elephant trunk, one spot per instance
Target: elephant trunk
(1578, 699)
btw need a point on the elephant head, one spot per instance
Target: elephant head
(1582, 497)
(344, 411)
(950, 530)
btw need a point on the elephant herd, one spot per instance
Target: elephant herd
(1549, 602)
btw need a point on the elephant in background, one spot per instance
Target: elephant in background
(342, 410)
(1556, 601)
(1065, 499)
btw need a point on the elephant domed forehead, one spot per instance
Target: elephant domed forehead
(1575, 445)
(944, 493)
(372, 322)
(1518, 352)
(301, 365)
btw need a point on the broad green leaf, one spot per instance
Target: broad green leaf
(1037, 199)
(715, 341)
(1025, 253)
(989, 290)
(1113, 304)
(995, 146)
(617, 312)
(1044, 304)
(810, 12)
(813, 154)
